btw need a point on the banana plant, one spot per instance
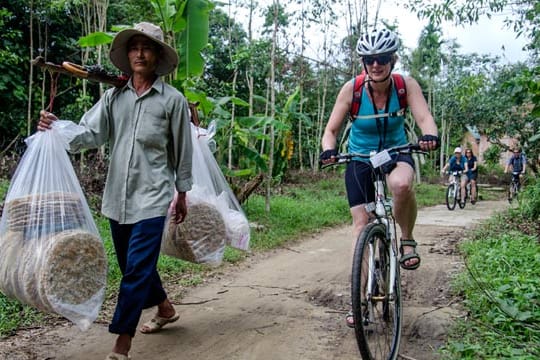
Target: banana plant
(185, 24)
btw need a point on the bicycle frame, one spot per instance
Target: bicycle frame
(514, 186)
(456, 181)
(383, 215)
(382, 209)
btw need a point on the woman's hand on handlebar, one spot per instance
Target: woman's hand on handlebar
(45, 120)
(328, 156)
(429, 142)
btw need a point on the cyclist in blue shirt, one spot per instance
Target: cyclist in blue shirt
(518, 162)
(457, 163)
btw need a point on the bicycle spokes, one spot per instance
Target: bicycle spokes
(376, 302)
(452, 196)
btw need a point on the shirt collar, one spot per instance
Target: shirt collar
(158, 84)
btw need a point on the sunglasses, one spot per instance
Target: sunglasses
(381, 59)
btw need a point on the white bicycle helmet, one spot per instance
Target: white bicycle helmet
(377, 42)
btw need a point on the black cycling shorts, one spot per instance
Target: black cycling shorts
(359, 177)
(472, 175)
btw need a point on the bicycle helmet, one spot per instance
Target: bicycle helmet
(377, 42)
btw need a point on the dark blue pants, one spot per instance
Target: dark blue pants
(137, 251)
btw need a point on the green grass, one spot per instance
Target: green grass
(298, 211)
(501, 289)
(4, 185)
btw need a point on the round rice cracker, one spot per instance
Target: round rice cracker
(11, 248)
(74, 269)
(200, 238)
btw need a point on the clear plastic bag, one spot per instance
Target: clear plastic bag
(223, 222)
(211, 183)
(201, 237)
(51, 254)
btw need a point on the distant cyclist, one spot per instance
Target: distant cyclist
(518, 162)
(472, 172)
(457, 163)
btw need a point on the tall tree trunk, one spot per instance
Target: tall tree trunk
(231, 133)
(272, 108)
(301, 86)
(251, 68)
(31, 72)
(443, 141)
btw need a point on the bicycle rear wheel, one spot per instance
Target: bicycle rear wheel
(451, 197)
(377, 319)
(462, 202)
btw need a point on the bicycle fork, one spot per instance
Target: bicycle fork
(375, 273)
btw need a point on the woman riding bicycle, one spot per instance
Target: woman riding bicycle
(369, 132)
(472, 173)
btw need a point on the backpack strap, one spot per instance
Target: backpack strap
(401, 89)
(359, 81)
(399, 85)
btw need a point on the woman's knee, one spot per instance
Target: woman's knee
(400, 181)
(401, 188)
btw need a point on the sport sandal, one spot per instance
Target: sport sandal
(409, 256)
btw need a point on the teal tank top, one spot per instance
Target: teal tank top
(365, 135)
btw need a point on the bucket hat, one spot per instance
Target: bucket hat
(118, 54)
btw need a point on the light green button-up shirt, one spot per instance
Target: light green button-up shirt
(150, 149)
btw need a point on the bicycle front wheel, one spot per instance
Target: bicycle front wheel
(512, 191)
(451, 197)
(377, 317)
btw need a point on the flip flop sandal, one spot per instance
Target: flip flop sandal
(409, 256)
(157, 323)
(116, 356)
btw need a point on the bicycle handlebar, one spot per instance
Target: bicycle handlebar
(347, 157)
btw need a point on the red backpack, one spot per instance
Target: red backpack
(399, 84)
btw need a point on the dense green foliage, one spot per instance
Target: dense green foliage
(501, 286)
(233, 87)
(501, 294)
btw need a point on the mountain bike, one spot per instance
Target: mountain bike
(375, 277)
(513, 187)
(453, 192)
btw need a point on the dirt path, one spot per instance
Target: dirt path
(286, 304)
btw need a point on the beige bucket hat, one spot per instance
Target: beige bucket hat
(118, 54)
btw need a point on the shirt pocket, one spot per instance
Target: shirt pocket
(153, 126)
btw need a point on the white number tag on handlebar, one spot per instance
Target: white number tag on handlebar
(380, 158)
